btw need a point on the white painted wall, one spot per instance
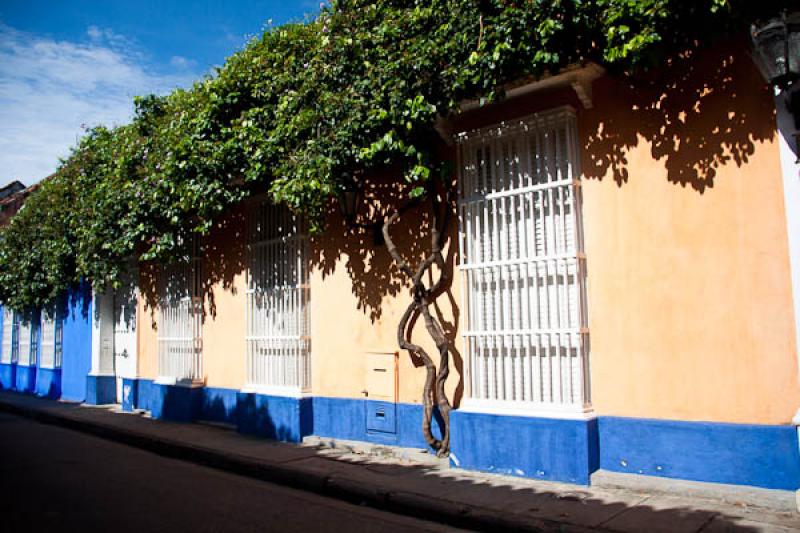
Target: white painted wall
(103, 335)
(791, 194)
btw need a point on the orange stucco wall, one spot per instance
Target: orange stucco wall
(689, 294)
(689, 278)
(689, 288)
(224, 286)
(147, 316)
(358, 298)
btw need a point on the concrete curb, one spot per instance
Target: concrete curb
(333, 486)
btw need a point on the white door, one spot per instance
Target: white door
(124, 338)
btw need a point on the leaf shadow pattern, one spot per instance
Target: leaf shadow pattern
(369, 266)
(224, 253)
(373, 274)
(702, 110)
(223, 257)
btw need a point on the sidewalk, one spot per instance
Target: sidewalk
(410, 484)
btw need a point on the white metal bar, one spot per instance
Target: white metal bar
(7, 348)
(277, 330)
(523, 263)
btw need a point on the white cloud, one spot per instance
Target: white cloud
(182, 63)
(49, 89)
(112, 39)
(94, 33)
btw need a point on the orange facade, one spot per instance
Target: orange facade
(689, 288)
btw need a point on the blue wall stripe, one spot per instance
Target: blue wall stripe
(543, 448)
(26, 378)
(101, 390)
(346, 418)
(8, 376)
(741, 454)
(48, 382)
(219, 405)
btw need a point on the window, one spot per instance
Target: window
(180, 322)
(51, 340)
(25, 341)
(8, 336)
(523, 265)
(278, 344)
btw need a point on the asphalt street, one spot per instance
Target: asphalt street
(55, 479)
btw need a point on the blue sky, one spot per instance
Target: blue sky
(70, 64)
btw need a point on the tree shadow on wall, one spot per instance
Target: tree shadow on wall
(374, 276)
(370, 267)
(223, 254)
(701, 110)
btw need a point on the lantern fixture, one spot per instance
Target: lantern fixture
(349, 199)
(776, 45)
(777, 49)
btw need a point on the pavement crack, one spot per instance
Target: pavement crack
(705, 524)
(622, 511)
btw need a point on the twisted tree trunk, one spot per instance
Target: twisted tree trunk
(422, 297)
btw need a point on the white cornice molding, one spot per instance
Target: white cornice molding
(577, 77)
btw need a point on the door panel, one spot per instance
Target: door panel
(124, 340)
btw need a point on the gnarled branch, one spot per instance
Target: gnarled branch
(434, 390)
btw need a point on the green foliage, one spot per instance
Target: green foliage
(357, 88)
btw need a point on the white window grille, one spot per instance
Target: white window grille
(51, 341)
(180, 322)
(523, 265)
(25, 344)
(278, 343)
(6, 355)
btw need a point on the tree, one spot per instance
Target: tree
(298, 110)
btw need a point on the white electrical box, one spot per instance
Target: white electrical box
(381, 376)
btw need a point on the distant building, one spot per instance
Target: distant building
(13, 187)
(12, 198)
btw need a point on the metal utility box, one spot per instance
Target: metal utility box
(381, 391)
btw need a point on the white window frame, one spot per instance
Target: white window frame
(7, 353)
(180, 321)
(523, 268)
(277, 303)
(26, 345)
(52, 340)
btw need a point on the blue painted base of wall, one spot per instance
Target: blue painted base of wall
(356, 419)
(542, 448)
(740, 454)
(101, 390)
(130, 394)
(175, 402)
(220, 405)
(274, 417)
(26, 379)
(8, 376)
(48, 382)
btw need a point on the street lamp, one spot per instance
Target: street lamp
(349, 198)
(777, 46)
(777, 52)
